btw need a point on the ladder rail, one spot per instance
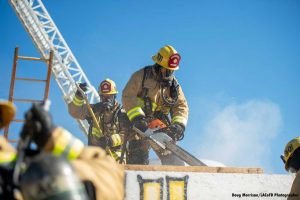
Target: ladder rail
(11, 98)
(46, 36)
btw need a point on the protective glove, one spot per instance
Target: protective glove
(83, 87)
(140, 123)
(38, 125)
(105, 142)
(177, 132)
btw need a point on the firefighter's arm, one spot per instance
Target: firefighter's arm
(8, 154)
(62, 143)
(129, 96)
(124, 121)
(180, 111)
(125, 125)
(78, 108)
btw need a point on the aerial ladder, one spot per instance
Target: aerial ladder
(46, 37)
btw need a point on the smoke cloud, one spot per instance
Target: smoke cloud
(241, 134)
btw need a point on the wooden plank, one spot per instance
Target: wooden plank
(194, 169)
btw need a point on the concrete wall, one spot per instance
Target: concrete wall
(165, 185)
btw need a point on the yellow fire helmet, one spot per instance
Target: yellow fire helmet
(167, 57)
(107, 87)
(290, 148)
(7, 112)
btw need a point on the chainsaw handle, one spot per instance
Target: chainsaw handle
(164, 130)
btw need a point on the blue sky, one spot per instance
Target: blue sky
(239, 70)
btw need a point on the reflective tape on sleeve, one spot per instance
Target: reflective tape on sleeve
(116, 140)
(7, 157)
(78, 101)
(68, 146)
(61, 143)
(134, 112)
(75, 149)
(179, 120)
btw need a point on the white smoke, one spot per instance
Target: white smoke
(241, 134)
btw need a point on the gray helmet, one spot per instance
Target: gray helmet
(49, 178)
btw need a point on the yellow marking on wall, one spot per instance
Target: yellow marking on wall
(176, 190)
(151, 191)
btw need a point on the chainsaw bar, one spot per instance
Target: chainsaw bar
(165, 142)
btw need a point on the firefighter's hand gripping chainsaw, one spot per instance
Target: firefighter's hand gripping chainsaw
(157, 134)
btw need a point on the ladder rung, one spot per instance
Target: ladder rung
(18, 120)
(30, 79)
(28, 100)
(31, 58)
(13, 141)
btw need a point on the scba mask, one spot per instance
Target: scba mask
(163, 73)
(166, 74)
(108, 98)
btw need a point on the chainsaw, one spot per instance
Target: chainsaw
(159, 139)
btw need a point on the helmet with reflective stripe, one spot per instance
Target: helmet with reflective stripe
(7, 113)
(167, 57)
(107, 87)
(290, 148)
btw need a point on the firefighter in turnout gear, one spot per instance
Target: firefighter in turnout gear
(7, 152)
(153, 92)
(291, 160)
(113, 121)
(60, 168)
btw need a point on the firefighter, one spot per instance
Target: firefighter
(113, 121)
(7, 152)
(153, 92)
(291, 159)
(48, 174)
